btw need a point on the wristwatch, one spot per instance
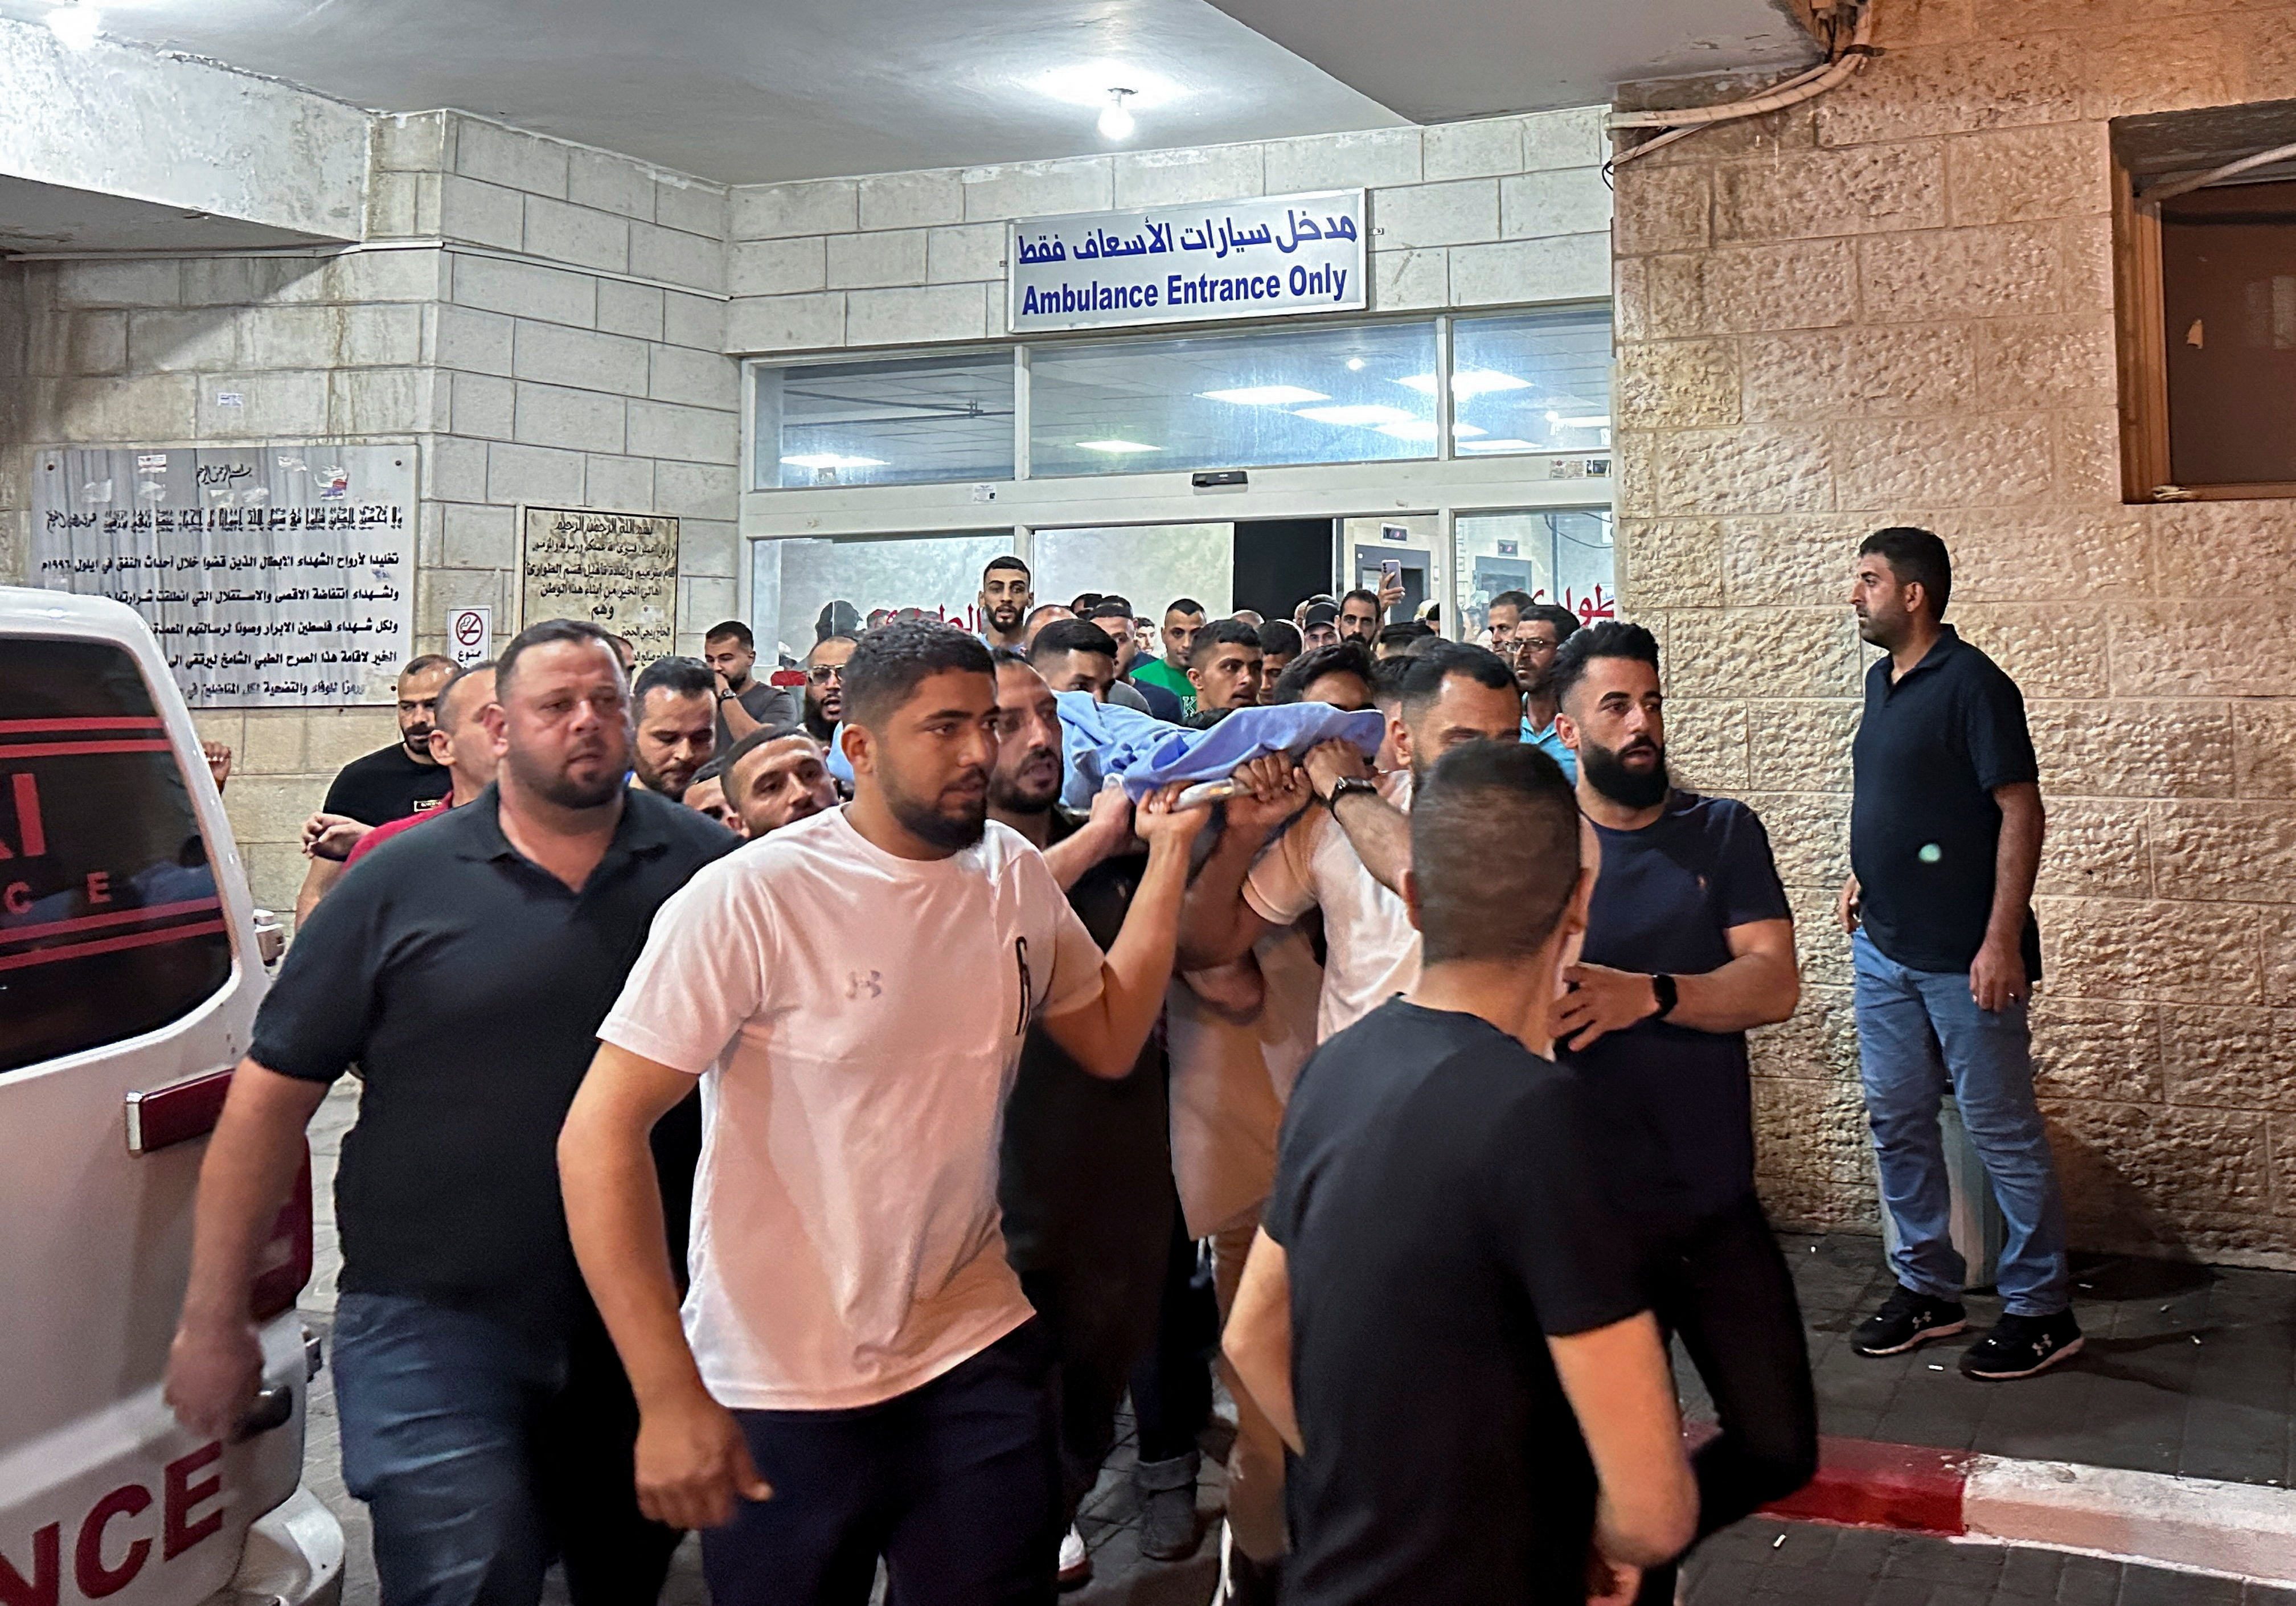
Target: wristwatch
(725, 696)
(1345, 784)
(1663, 989)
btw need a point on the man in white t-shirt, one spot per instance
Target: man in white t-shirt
(857, 1375)
(1347, 858)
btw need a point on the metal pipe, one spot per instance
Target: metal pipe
(2182, 186)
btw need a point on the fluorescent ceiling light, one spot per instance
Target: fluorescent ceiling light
(1497, 444)
(1467, 382)
(1592, 421)
(1115, 448)
(1088, 84)
(1264, 396)
(1376, 414)
(832, 460)
(75, 25)
(1423, 428)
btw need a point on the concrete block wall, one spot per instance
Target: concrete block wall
(1897, 306)
(1499, 210)
(541, 321)
(575, 345)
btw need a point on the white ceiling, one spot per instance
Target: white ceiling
(1441, 60)
(751, 91)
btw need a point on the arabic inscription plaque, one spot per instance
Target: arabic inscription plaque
(275, 577)
(617, 570)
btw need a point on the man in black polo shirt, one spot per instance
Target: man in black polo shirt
(1438, 1285)
(463, 968)
(1689, 942)
(1945, 840)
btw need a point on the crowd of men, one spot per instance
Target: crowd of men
(821, 1165)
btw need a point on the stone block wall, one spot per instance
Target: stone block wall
(542, 322)
(1897, 306)
(1498, 210)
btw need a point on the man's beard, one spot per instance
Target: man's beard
(1004, 620)
(1607, 773)
(818, 721)
(417, 741)
(558, 787)
(1030, 788)
(929, 824)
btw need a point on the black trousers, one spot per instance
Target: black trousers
(1720, 1284)
(1172, 1383)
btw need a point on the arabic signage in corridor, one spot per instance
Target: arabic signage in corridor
(1268, 256)
(275, 577)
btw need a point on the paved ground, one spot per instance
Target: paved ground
(1764, 1563)
(2187, 1370)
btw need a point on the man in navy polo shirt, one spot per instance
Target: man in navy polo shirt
(1945, 840)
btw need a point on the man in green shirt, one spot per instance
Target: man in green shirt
(1182, 620)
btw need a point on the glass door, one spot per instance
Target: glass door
(809, 588)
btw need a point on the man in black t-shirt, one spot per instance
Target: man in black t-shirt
(387, 785)
(464, 968)
(403, 779)
(1689, 942)
(1085, 1182)
(1439, 1287)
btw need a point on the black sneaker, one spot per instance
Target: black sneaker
(1905, 1321)
(2021, 1346)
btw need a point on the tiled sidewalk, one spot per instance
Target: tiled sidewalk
(1764, 1563)
(2187, 1370)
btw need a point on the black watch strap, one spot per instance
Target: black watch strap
(1346, 784)
(1662, 988)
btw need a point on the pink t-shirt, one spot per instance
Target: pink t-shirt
(388, 829)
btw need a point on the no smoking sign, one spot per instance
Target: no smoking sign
(469, 634)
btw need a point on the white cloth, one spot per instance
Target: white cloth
(859, 1017)
(1231, 1079)
(1371, 950)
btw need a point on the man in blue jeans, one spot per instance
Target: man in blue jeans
(463, 969)
(1945, 840)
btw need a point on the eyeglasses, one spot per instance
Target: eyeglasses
(821, 674)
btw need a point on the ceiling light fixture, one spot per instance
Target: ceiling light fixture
(1355, 364)
(1506, 443)
(1373, 414)
(833, 460)
(1116, 124)
(1115, 448)
(1593, 421)
(1467, 382)
(75, 25)
(1264, 396)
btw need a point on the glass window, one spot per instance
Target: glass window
(908, 419)
(1358, 394)
(110, 921)
(811, 587)
(1536, 381)
(1147, 566)
(1556, 557)
(2228, 301)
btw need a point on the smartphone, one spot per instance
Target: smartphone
(1391, 571)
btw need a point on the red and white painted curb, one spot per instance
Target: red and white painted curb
(2241, 1531)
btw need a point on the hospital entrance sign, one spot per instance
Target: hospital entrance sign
(1267, 257)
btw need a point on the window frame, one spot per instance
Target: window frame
(2140, 340)
(1023, 351)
